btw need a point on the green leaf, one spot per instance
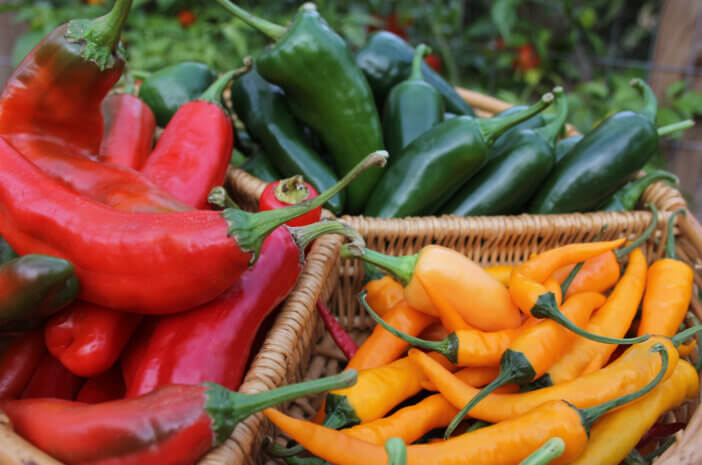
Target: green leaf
(504, 15)
(673, 90)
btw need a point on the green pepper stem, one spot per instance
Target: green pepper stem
(397, 451)
(420, 52)
(303, 460)
(447, 347)
(274, 450)
(546, 307)
(371, 272)
(629, 195)
(551, 131)
(304, 235)
(592, 414)
(219, 197)
(139, 74)
(552, 449)
(492, 128)
(634, 458)
(675, 127)
(250, 229)
(227, 408)
(402, 268)
(650, 110)
(292, 190)
(643, 237)
(213, 94)
(684, 335)
(578, 266)
(108, 29)
(237, 158)
(662, 448)
(272, 30)
(670, 240)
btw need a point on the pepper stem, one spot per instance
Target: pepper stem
(250, 229)
(650, 110)
(670, 240)
(578, 266)
(371, 272)
(675, 127)
(401, 268)
(227, 408)
(219, 197)
(592, 414)
(272, 30)
(291, 190)
(213, 94)
(492, 128)
(420, 52)
(546, 307)
(684, 335)
(551, 131)
(552, 449)
(629, 195)
(304, 235)
(397, 451)
(447, 347)
(643, 237)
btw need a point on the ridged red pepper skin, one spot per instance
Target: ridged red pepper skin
(19, 361)
(147, 263)
(212, 343)
(87, 338)
(52, 379)
(103, 388)
(269, 201)
(168, 427)
(129, 131)
(193, 153)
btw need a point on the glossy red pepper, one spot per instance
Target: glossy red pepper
(51, 379)
(173, 425)
(19, 361)
(129, 131)
(136, 349)
(87, 338)
(103, 388)
(147, 263)
(288, 192)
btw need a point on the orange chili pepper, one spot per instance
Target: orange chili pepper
(384, 293)
(598, 274)
(554, 287)
(612, 320)
(481, 300)
(450, 318)
(668, 290)
(434, 332)
(500, 273)
(476, 377)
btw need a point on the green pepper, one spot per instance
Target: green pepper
(386, 60)
(35, 286)
(412, 107)
(437, 163)
(563, 146)
(325, 90)
(514, 172)
(167, 89)
(263, 110)
(6, 252)
(603, 161)
(259, 166)
(534, 122)
(626, 198)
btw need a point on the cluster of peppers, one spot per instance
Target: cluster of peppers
(521, 364)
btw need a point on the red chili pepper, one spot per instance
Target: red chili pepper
(136, 349)
(174, 425)
(104, 388)
(51, 379)
(288, 192)
(147, 263)
(527, 58)
(19, 361)
(434, 61)
(88, 339)
(337, 332)
(193, 153)
(186, 18)
(129, 131)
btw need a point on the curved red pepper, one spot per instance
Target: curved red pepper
(129, 131)
(87, 338)
(19, 361)
(288, 192)
(52, 379)
(104, 388)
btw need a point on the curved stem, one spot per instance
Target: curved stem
(675, 127)
(272, 30)
(397, 451)
(629, 195)
(552, 449)
(402, 268)
(108, 29)
(670, 240)
(684, 335)
(213, 94)
(138, 74)
(643, 237)
(551, 131)
(219, 197)
(650, 110)
(304, 235)
(492, 128)
(420, 52)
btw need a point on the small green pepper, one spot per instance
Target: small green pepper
(437, 163)
(534, 122)
(325, 90)
(35, 286)
(386, 60)
(263, 110)
(563, 146)
(412, 107)
(167, 89)
(6, 252)
(509, 179)
(626, 198)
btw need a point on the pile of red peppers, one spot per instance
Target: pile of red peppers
(172, 290)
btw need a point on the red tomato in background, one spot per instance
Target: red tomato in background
(526, 58)
(186, 18)
(391, 23)
(434, 61)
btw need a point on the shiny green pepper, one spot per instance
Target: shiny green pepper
(626, 198)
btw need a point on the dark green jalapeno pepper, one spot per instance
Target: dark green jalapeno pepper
(564, 145)
(168, 89)
(35, 286)
(626, 198)
(262, 108)
(386, 60)
(6, 252)
(509, 179)
(437, 163)
(259, 166)
(534, 122)
(325, 90)
(603, 161)
(412, 107)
